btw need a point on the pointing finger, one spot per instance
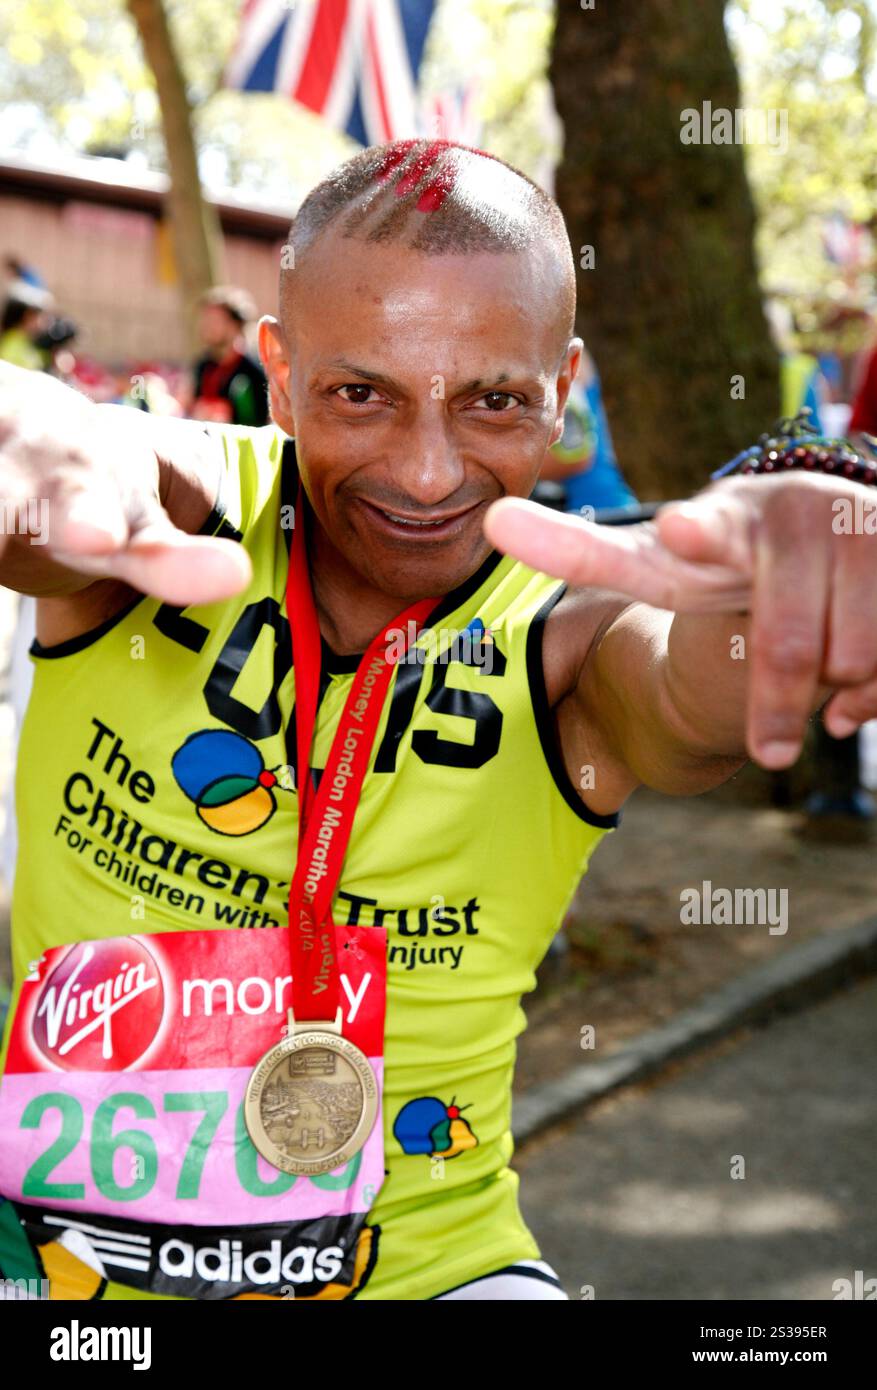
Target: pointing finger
(629, 559)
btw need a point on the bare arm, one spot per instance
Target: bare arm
(629, 716)
(754, 607)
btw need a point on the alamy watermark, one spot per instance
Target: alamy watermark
(854, 516)
(720, 907)
(30, 518)
(15, 1290)
(78, 1343)
(441, 645)
(746, 125)
(856, 1288)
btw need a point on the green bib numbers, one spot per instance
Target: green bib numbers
(214, 1104)
(35, 1179)
(124, 1160)
(105, 1145)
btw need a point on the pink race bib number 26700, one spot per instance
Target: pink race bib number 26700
(122, 1116)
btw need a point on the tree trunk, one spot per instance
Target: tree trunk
(195, 228)
(671, 310)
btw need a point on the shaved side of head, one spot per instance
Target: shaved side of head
(438, 198)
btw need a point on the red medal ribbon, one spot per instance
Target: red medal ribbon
(326, 816)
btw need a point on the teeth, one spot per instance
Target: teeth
(405, 521)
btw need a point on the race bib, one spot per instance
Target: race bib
(124, 1139)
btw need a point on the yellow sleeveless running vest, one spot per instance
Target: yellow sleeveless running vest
(468, 843)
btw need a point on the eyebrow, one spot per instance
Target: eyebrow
(341, 364)
(479, 381)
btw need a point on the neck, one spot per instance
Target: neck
(350, 611)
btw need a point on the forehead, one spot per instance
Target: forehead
(349, 294)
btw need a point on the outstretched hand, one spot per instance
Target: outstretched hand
(80, 490)
(777, 548)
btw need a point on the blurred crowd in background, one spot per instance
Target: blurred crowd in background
(226, 383)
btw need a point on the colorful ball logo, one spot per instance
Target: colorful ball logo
(428, 1126)
(223, 773)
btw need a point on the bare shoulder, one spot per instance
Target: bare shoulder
(573, 634)
(572, 631)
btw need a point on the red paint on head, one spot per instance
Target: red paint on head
(393, 158)
(453, 1112)
(434, 193)
(415, 172)
(267, 779)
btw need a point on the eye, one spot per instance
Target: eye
(499, 401)
(360, 393)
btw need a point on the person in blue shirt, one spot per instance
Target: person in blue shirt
(581, 471)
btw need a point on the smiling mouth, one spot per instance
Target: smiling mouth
(420, 526)
(409, 521)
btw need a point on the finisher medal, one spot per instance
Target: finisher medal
(313, 1098)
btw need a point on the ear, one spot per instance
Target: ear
(272, 350)
(565, 378)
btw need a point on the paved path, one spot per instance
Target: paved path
(636, 1198)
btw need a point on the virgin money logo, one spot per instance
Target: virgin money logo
(101, 1007)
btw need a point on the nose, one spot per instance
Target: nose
(428, 465)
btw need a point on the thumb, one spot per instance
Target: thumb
(183, 569)
(150, 553)
(566, 546)
(625, 559)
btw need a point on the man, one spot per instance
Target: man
(229, 384)
(23, 319)
(421, 359)
(583, 460)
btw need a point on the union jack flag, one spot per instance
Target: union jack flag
(451, 115)
(354, 62)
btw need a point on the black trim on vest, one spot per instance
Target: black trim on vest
(523, 1270)
(464, 591)
(85, 639)
(333, 664)
(288, 484)
(545, 723)
(343, 665)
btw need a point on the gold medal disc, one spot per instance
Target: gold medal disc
(311, 1102)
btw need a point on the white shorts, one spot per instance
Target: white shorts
(526, 1279)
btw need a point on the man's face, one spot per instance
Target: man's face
(217, 326)
(35, 322)
(419, 389)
